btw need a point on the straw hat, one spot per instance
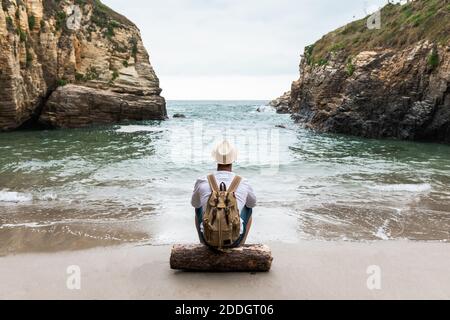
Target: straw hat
(224, 153)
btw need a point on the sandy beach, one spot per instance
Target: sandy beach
(306, 270)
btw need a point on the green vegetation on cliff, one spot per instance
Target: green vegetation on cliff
(433, 59)
(31, 22)
(401, 25)
(102, 16)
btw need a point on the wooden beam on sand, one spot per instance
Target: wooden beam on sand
(249, 258)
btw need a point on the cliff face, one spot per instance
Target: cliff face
(71, 66)
(391, 82)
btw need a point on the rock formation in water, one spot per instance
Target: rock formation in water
(388, 82)
(281, 104)
(66, 64)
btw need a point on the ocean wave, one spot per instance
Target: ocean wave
(21, 197)
(137, 128)
(26, 225)
(48, 197)
(383, 232)
(263, 109)
(423, 187)
(15, 197)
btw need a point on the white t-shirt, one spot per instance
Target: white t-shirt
(244, 193)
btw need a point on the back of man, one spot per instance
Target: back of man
(202, 190)
(225, 155)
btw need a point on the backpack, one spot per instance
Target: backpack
(222, 220)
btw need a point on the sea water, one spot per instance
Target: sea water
(132, 182)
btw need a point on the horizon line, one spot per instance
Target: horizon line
(218, 99)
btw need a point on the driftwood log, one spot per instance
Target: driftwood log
(249, 258)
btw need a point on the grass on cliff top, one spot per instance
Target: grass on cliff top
(102, 12)
(106, 13)
(106, 18)
(401, 25)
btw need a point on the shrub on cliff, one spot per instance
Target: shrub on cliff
(62, 82)
(61, 17)
(10, 24)
(433, 59)
(350, 68)
(31, 22)
(22, 35)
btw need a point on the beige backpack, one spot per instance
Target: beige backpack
(222, 221)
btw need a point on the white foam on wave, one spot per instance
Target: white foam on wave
(383, 232)
(137, 128)
(15, 197)
(26, 225)
(263, 109)
(424, 187)
(20, 197)
(48, 197)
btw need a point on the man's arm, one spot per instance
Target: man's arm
(251, 198)
(196, 201)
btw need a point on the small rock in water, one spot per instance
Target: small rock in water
(179, 115)
(259, 110)
(281, 126)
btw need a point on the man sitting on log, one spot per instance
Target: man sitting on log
(223, 203)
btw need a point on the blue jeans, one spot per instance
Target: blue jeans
(246, 214)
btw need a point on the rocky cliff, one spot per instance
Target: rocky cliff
(72, 64)
(388, 82)
(281, 104)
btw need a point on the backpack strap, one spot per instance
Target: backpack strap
(213, 183)
(234, 184)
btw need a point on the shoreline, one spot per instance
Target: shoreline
(305, 270)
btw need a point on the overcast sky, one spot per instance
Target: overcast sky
(233, 49)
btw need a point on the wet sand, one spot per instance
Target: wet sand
(306, 270)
